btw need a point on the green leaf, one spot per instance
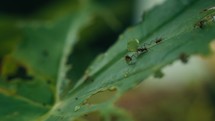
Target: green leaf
(30, 72)
(25, 110)
(174, 22)
(8, 42)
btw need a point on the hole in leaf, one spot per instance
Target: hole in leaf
(102, 96)
(21, 72)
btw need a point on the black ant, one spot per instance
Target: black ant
(158, 40)
(142, 50)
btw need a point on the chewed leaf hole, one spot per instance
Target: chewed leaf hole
(102, 96)
(21, 72)
(11, 70)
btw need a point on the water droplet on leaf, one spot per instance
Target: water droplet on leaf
(133, 45)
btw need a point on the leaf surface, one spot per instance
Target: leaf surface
(174, 22)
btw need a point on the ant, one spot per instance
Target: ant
(145, 49)
(142, 50)
(158, 40)
(131, 59)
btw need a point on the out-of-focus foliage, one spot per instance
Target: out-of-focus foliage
(45, 54)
